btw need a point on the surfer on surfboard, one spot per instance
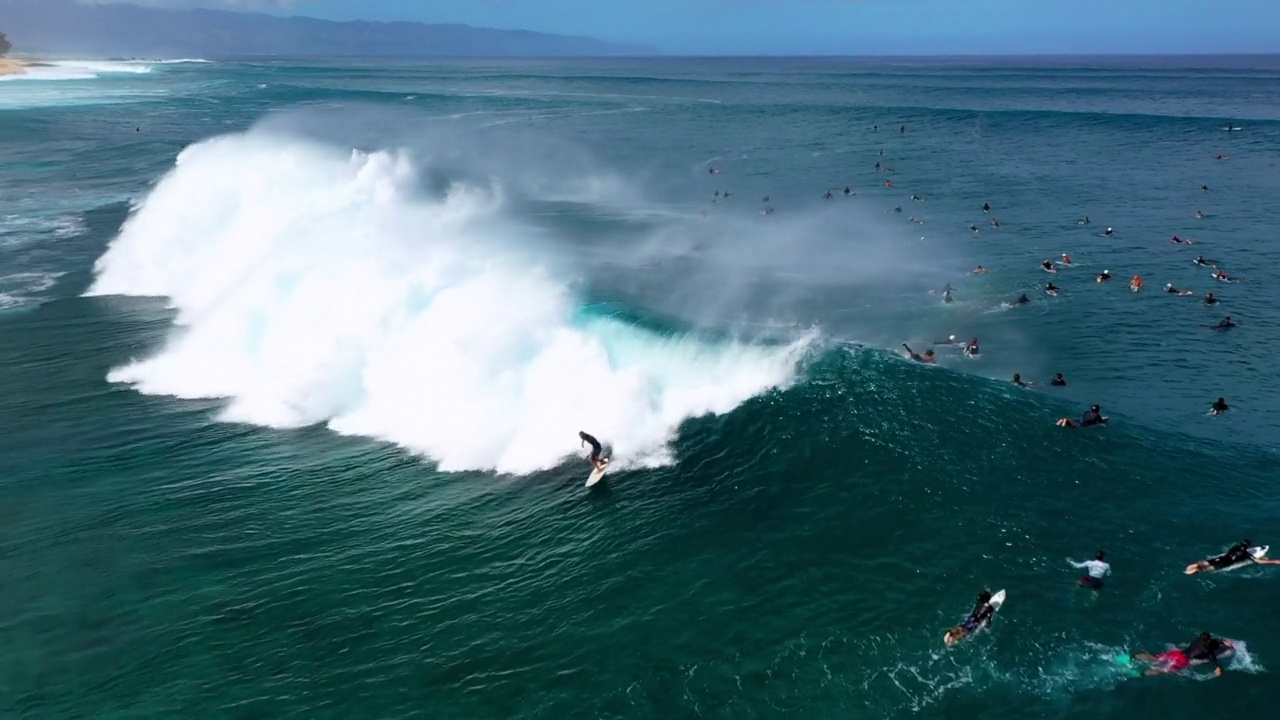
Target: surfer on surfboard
(1092, 416)
(1205, 648)
(1241, 553)
(595, 458)
(927, 357)
(981, 616)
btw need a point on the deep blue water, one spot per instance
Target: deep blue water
(295, 354)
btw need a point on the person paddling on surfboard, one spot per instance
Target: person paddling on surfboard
(1205, 648)
(595, 450)
(1097, 568)
(1241, 553)
(1219, 407)
(927, 357)
(1224, 324)
(979, 618)
(1092, 416)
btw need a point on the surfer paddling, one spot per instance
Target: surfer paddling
(927, 357)
(1205, 648)
(1242, 553)
(595, 458)
(981, 616)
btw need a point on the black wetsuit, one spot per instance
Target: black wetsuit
(980, 616)
(1091, 417)
(1060, 382)
(1236, 555)
(1022, 300)
(1206, 649)
(594, 443)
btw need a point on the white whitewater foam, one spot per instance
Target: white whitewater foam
(320, 286)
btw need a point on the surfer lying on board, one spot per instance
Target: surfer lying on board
(979, 618)
(1205, 648)
(1224, 324)
(927, 357)
(1218, 407)
(1097, 568)
(595, 450)
(1235, 555)
(1092, 416)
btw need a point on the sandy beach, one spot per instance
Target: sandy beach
(9, 66)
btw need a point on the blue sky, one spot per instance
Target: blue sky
(848, 26)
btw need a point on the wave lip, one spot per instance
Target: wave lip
(317, 286)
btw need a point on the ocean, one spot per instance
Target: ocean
(295, 354)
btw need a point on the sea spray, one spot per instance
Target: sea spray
(315, 285)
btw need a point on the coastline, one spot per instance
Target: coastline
(11, 66)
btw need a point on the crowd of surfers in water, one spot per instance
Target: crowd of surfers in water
(1205, 648)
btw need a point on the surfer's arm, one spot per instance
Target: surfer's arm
(1266, 561)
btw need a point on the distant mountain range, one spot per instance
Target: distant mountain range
(105, 30)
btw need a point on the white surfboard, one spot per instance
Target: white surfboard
(597, 473)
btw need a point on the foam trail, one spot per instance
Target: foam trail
(321, 286)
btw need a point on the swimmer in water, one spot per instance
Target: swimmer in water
(1058, 380)
(1048, 266)
(946, 297)
(1220, 275)
(1169, 288)
(986, 207)
(848, 191)
(1199, 215)
(888, 183)
(1202, 262)
(973, 228)
(1225, 323)
(1084, 221)
(916, 198)
(1209, 299)
(1219, 407)
(1051, 289)
(951, 340)
(902, 130)
(1097, 568)
(1103, 276)
(1017, 380)
(995, 224)
(926, 358)
(1108, 232)
(916, 220)
(1135, 284)
(1022, 300)
(979, 270)
(1066, 259)
(971, 349)
(897, 208)
(1204, 188)
(879, 167)
(827, 195)
(712, 171)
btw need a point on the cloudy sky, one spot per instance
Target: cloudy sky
(845, 26)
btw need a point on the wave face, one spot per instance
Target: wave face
(314, 285)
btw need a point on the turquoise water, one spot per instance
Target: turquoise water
(295, 355)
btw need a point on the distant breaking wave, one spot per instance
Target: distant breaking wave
(315, 285)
